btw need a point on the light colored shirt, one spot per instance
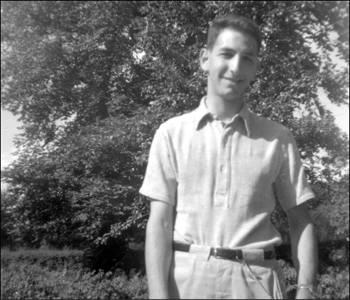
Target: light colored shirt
(222, 179)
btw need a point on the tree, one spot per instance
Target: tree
(92, 81)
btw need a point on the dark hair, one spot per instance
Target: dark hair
(236, 22)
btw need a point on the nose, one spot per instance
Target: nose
(236, 64)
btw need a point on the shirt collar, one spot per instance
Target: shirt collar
(203, 113)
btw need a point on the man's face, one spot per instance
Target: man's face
(231, 64)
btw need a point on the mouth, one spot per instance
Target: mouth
(234, 81)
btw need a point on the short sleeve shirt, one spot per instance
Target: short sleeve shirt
(222, 178)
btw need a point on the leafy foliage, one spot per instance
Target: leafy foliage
(44, 257)
(335, 283)
(26, 280)
(92, 81)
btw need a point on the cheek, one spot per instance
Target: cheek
(218, 67)
(251, 72)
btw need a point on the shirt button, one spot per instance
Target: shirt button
(222, 168)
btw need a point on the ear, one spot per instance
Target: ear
(257, 67)
(204, 59)
(258, 63)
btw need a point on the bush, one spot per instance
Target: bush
(26, 280)
(335, 283)
(104, 256)
(51, 258)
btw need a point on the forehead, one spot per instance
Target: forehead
(236, 41)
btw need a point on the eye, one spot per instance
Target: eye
(248, 59)
(226, 55)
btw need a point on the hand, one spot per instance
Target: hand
(304, 294)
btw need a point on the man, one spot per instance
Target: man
(212, 176)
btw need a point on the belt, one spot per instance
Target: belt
(222, 252)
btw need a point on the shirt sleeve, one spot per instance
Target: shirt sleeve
(291, 185)
(160, 182)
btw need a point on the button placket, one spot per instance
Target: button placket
(223, 176)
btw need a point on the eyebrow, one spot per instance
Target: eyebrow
(249, 52)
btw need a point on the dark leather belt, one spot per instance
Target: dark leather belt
(222, 252)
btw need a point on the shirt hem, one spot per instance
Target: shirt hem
(151, 197)
(302, 199)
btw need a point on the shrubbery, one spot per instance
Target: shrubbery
(50, 258)
(22, 277)
(20, 281)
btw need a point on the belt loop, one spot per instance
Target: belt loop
(253, 254)
(215, 252)
(240, 254)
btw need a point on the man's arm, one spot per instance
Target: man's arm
(159, 239)
(304, 248)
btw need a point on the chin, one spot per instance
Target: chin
(233, 96)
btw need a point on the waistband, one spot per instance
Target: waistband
(232, 254)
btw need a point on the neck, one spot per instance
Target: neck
(224, 109)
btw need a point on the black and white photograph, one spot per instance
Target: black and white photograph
(174, 149)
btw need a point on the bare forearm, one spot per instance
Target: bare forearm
(304, 251)
(158, 259)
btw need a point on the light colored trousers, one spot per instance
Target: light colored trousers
(197, 275)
